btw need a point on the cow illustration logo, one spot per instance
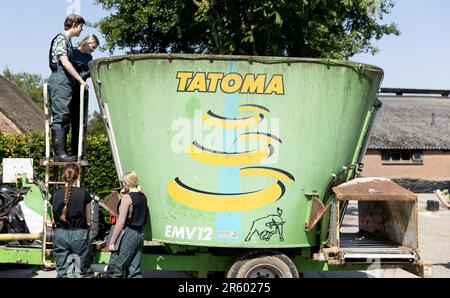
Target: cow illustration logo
(266, 227)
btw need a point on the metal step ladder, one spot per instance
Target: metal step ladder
(49, 163)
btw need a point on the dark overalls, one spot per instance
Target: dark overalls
(60, 88)
(125, 261)
(71, 245)
(80, 62)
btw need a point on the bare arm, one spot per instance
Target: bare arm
(71, 70)
(87, 212)
(123, 214)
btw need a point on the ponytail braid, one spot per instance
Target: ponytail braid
(71, 173)
(67, 196)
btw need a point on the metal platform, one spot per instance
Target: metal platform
(51, 163)
(356, 246)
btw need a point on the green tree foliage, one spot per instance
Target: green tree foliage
(96, 125)
(100, 178)
(24, 146)
(302, 28)
(31, 84)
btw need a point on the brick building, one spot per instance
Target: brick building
(411, 138)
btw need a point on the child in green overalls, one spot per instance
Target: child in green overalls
(61, 84)
(81, 57)
(127, 239)
(71, 212)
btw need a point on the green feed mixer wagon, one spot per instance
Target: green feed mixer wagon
(249, 164)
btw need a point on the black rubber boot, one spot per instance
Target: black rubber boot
(59, 140)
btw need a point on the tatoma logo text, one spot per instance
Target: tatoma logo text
(230, 83)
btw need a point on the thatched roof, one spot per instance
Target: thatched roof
(412, 122)
(18, 113)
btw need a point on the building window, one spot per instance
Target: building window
(401, 156)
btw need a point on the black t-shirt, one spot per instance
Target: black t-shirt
(76, 216)
(140, 210)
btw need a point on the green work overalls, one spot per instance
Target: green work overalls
(72, 253)
(60, 87)
(71, 243)
(125, 261)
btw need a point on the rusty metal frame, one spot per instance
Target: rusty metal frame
(318, 209)
(388, 194)
(334, 223)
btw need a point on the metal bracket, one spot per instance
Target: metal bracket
(317, 211)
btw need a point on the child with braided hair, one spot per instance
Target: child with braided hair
(71, 210)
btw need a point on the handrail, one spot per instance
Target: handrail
(80, 130)
(47, 123)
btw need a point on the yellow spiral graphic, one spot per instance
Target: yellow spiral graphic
(234, 202)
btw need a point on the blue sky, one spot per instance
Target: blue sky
(418, 58)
